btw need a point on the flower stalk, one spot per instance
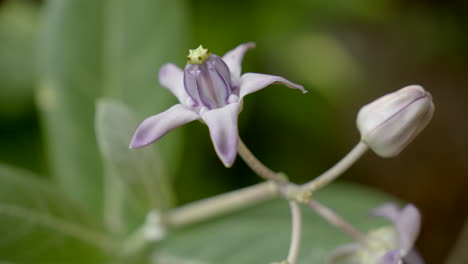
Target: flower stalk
(296, 233)
(256, 165)
(276, 186)
(221, 204)
(339, 168)
(337, 221)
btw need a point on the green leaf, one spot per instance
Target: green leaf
(94, 48)
(262, 234)
(18, 30)
(40, 225)
(135, 178)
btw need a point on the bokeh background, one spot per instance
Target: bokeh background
(345, 52)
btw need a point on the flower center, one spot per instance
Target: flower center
(198, 55)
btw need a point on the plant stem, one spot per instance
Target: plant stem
(336, 220)
(256, 165)
(221, 204)
(296, 232)
(229, 202)
(338, 169)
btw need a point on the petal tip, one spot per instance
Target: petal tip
(228, 162)
(134, 144)
(250, 44)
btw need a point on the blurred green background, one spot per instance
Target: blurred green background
(345, 52)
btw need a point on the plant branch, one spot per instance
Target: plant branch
(338, 169)
(221, 204)
(296, 233)
(276, 186)
(256, 165)
(336, 220)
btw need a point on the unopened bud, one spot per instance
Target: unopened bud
(388, 124)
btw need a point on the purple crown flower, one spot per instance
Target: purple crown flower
(210, 89)
(387, 245)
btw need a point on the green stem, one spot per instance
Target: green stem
(296, 233)
(221, 204)
(336, 220)
(256, 165)
(338, 169)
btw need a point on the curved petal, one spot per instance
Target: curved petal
(413, 257)
(233, 58)
(222, 123)
(408, 225)
(172, 77)
(155, 127)
(252, 82)
(389, 211)
(391, 257)
(407, 222)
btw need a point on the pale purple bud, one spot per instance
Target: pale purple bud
(388, 124)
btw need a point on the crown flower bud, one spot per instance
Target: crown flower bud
(388, 124)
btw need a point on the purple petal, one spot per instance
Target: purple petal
(407, 222)
(220, 67)
(252, 82)
(389, 211)
(408, 225)
(233, 58)
(391, 257)
(413, 257)
(212, 88)
(191, 72)
(222, 123)
(155, 127)
(342, 252)
(172, 77)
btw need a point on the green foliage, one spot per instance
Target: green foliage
(39, 224)
(94, 48)
(262, 234)
(18, 30)
(135, 181)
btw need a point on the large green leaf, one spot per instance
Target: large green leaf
(18, 30)
(135, 181)
(40, 225)
(262, 234)
(93, 48)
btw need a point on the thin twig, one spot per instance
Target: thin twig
(338, 169)
(221, 204)
(296, 232)
(336, 220)
(256, 165)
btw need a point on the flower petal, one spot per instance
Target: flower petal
(233, 59)
(252, 82)
(408, 225)
(172, 77)
(406, 220)
(389, 211)
(413, 257)
(391, 257)
(222, 123)
(155, 127)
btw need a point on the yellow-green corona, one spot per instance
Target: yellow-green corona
(198, 55)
